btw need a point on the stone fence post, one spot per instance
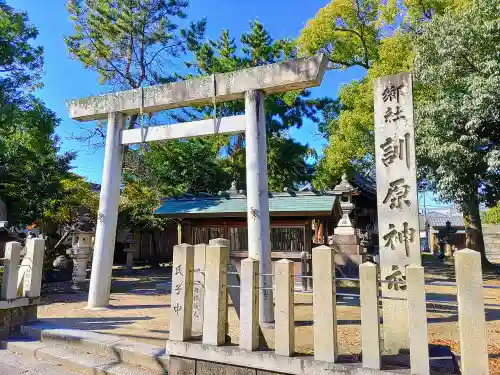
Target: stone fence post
(284, 306)
(215, 306)
(199, 288)
(370, 316)
(232, 279)
(471, 318)
(12, 259)
(182, 293)
(324, 304)
(249, 311)
(417, 320)
(33, 264)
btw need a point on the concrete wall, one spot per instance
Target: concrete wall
(491, 235)
(12, 318)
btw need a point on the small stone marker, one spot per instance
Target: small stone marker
(370, 316)
(417, 315)
(232, 279)
(249, 291)
(284, 306)
(11, 270)
(396, 201)
(215, 304)
(471, 318)
(182, 293)
(33, 261)
(324, 304)
(198, 288)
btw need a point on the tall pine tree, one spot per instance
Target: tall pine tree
(287, 159)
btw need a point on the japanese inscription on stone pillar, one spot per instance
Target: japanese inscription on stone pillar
(397, 205)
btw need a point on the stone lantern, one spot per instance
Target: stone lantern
(130, 250)
(80, 253)
(344, 227)
(81, 250)
(345, 241)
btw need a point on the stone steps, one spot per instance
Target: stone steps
(87, 352)
(16, 364)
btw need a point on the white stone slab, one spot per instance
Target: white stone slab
(284, 76)
(397, 203)
(471, 315)
(249, 297)
(324, 304)
(284, 308)
(267, 361)
(223, 125)
(370, 316)
(215, 308)
(181, 313)
(33, 267)
(11, 270)
(198, 288)
(417, 321)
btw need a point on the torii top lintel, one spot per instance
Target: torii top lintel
(284, 76)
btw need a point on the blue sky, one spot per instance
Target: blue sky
(65, 78)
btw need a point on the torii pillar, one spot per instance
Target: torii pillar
(249, 84)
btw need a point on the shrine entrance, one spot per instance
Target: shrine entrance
(249, 84)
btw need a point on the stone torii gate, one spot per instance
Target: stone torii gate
(250, 84)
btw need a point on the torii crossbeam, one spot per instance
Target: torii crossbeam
(251, 84)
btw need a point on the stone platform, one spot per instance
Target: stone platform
(186, 358)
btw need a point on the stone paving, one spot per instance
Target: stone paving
(140, 311)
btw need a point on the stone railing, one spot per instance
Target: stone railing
(21, 284)
(200, 278)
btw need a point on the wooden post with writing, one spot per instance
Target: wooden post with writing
(399, 235)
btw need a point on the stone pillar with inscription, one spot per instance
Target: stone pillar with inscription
(181, 314)
(397, 203)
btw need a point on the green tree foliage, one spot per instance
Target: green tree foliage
(456, 50)
(30, 166)
(186, 166)
(75, 192)
(458, 118)
(20, 62)
(287, 158)
(346, 31)
(130, 43)
(491, 215)
(200, 165)
(374, 35)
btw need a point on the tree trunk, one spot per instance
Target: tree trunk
(155, 262)
(474, 231)
(140, 244)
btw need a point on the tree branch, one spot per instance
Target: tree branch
(362, 34)
(163, 49)
(98, 50)
(129, 63)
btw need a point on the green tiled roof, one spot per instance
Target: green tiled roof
(280, 204)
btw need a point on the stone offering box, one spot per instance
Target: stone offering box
(202, 277)
(21, 285)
